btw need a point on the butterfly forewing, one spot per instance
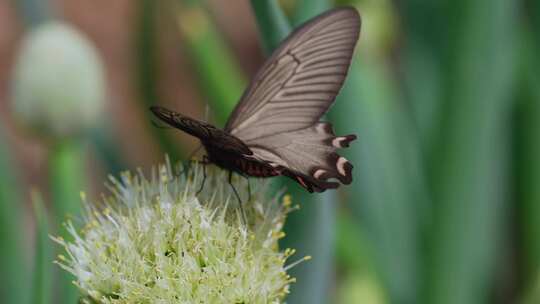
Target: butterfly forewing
(301, 79)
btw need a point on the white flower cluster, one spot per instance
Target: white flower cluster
(156, 241)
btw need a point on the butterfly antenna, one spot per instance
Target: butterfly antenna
(244, 219)
(206, 112)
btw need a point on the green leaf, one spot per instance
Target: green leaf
(147, 68)
(470, 167)
(13, 262)
(352, 252)
(42, 271)
(388, 209)
(311, 230)
(307, 9)
(425, 50)
(360, 288)
(272, 23)
(527, 139)
(219, 76)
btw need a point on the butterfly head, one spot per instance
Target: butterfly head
(164, 114)
(189, 125)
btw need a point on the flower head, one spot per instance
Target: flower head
(156, 241)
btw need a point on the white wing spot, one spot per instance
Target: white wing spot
(319, 173)
(320, 128)
(336, 142)
(341, 165)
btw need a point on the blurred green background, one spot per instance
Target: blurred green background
(443, 95)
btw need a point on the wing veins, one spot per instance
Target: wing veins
(309, 67)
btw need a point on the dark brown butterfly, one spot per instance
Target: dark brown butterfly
(275, 129)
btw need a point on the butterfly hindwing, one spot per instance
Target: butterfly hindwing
(309, 156)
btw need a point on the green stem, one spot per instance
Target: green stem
(42, 271)
(107, 148)
(67, 178)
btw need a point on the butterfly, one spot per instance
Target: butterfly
(276, 129)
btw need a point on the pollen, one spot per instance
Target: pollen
(287, 201)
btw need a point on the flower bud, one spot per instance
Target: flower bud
(58, 86)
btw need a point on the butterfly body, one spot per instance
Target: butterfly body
(241, 164)
(228, 157)
(275, 129)
(222, 148)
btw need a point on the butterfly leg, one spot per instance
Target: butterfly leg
(248, 185)
(249, 189)
(204, 163)
(187, 164)
(244, 219)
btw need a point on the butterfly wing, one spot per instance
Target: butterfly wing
(278, 115)
(308, 156)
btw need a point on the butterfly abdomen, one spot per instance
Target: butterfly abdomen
(240, 164)
(256, 169)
